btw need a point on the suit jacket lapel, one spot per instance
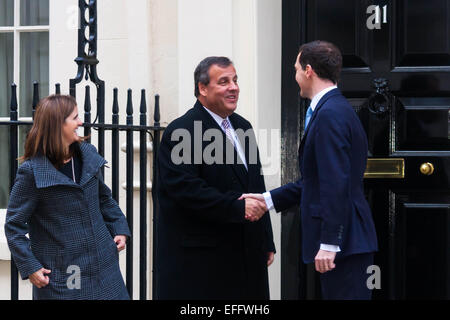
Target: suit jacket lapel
(314, 115)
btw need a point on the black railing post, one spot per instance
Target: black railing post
(87, 60)
(57, 88)
(129, 193)
(115, 148)
(155, 184)
(87, 112)
(101, 117)
(87, 65)
(143, 200)
(35, 98)
(13, 165)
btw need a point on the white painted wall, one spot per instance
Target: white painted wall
(268, 112)
(156, 45)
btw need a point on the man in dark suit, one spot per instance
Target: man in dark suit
(207, 249)
(338, 232)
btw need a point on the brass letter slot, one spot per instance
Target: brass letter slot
(392, 168)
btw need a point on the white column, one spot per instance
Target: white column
(204, 29)
(268, 102)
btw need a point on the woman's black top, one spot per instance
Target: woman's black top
(67, 168)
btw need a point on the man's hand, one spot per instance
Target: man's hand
(39, 279)
(324, 261)
(250, 198)
(254, 209)
(121, 241)
(256, 196)
(270, 258)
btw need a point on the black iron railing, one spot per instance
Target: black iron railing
(145, 132)
(87, 68)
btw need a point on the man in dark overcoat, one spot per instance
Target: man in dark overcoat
(206, 248)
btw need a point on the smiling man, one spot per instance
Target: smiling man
(337, 228)
(206, 248)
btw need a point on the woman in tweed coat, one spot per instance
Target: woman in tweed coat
(59, 198)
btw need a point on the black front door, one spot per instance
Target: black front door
(396, 74)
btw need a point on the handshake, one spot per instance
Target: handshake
(255, 206)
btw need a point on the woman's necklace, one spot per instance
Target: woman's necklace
(73, 171)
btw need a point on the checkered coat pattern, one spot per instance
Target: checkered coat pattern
(70, 226)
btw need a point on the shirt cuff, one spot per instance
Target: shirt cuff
(268, 200)
(329, 247)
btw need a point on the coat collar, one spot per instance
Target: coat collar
(209, 122)
(46, 175)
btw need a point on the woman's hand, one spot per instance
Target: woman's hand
(121, 241)
(39, 279)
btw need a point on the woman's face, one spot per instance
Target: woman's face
(70, 126)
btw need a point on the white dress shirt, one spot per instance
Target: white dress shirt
(315, 100)
(268, 198)
(237, 145)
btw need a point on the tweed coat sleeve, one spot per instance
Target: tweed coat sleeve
(112, 215)
(23, 201)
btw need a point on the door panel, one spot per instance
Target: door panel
(422, 124)
(421, 240)
(397, 78)
(355, 49)
(422, 33)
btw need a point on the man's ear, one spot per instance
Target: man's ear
(309, 71)
(202, 89)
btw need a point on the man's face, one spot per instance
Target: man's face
(222, 93)
(301, 78)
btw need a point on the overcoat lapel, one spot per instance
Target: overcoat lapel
(92, 162)
(253, 162)
(239, 167)
(208, 122)
(46, 175)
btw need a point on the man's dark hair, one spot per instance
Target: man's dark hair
(324, 58)
(201, 73)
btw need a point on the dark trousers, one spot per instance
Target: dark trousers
(348, 280)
